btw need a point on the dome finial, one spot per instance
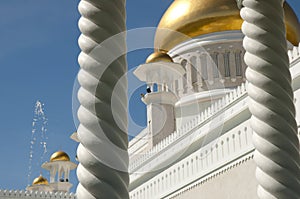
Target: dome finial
(159, 56)
(59, 156)
(40, 181)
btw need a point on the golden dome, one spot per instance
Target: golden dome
(59, 156)
(185, 19)
(40, 181)
(159, 56)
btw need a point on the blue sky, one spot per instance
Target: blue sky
(38, 59)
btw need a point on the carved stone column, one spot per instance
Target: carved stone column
(102, 132)
(271, 100)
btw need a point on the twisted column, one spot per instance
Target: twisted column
(271, 100)
(102, 132)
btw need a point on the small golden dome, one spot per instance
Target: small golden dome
(185, 19)
(159, 56)
(40, 181)
(59, 156)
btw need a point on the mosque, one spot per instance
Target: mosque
(197, 143)
(59, 167)
(198, 140)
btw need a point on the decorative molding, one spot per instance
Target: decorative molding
(218, 66)
(204, 164)
(213, 175)
(35, 194)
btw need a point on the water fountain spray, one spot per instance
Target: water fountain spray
(38, 142)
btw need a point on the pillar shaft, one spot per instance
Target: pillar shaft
(102, 152)
(271, 100)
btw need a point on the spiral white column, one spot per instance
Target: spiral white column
(271, 100)
(102, 152)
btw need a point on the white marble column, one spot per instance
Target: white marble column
(210, 70)
(199, 72)
(271, 100)
(189, 85)
(180, 87)
(102, 152)
(232, 65)
(221, 66)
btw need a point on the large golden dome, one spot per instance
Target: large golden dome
(198, 17)
(59, 156)
(40, 181)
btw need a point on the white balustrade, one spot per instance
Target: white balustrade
(195, 166)
(189, 126)
(14, 194)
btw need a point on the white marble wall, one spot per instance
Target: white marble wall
(207, 160)
(236, 182)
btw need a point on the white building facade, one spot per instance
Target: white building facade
(209, 153)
